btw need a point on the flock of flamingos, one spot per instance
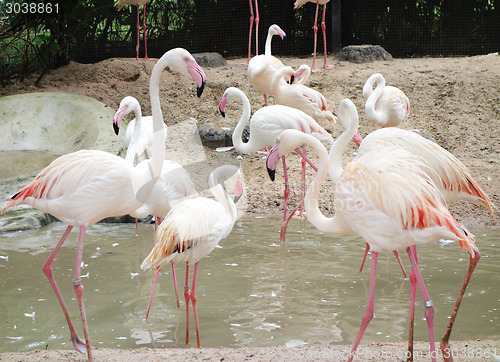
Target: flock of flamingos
(393, 194)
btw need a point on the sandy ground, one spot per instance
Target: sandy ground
(454, 101)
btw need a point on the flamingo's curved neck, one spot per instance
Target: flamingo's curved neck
(267, 49)
(373, 97)
(238, 130)
(132, 148)
(219, 192)
(158, 132)
(276, 83)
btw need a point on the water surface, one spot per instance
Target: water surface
(252, 290)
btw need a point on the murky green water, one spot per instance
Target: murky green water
(13, 163)
(252, 291)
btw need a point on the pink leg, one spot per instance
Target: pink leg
(265, 99)
(78, 344)
(368, 315)
(367, 249)
(286, 193)
(413, 297)
(396, 253)
(257, 19)
(175, 283)
(303, 183)
(250, 34)
(144, 30)
(429, 309)
(445, 345)
(315, 27)
(187, 297)
(78, 286)
(138, 32)
(158, 268)
(193, 301)
(323, 27)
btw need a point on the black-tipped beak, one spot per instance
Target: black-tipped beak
(199, 90)
(116, 128)
(236, 198)
(292, 79)
(223, 114)
(271, 173)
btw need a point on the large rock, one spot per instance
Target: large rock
(363, 53)
(210, 60)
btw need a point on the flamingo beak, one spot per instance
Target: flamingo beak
(238, 190)
(222, 106)
(272, 160)
(292, 79)
(120, 113)
(198, 76)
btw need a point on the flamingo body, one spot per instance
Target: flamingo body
(387, 106)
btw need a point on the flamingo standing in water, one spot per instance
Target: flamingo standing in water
(86, 186)
(298, 4)
(386, 198)
(385, 105)
(261, 68)
(192, 229)
(299, 96)
(120, 5)
(253, 17)
(265, 126)
(174, 183)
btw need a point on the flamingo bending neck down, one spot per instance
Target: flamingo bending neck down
(387, 106)
(72, 188)
(403, 210)
(302, 74)
(265, 126)
(192, 229)
(298, 4)
(261, 68)
(121, 4)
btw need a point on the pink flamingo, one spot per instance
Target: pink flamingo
(387, 106)
(86, 186)
(121, 4)
(298, 4)
(299, 96)
(253, 17)
(174, 183)
(192, 229)
(261, 68)
(265, 125)
(384, 197)
(302, 74)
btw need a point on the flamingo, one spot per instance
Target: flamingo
(385, 197)
(83, 187)
(265, 125)
(192, 229)
(253, 17)
(300, 96)
(261, 68)
(387, 106)
(138, 138)
(120, 5)
(302, 74)
(298, 4)
(174, 183)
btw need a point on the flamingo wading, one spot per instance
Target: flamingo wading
(192, 229)
(86, 186)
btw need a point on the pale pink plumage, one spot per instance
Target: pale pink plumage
(192, 229)
(261, 68)
(385, 105)
(299, 96)
(384, 196)
(84, 187)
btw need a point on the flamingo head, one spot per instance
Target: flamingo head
(222, 105)
(272, 160)
(127, 105)
(276, 30)
(238, 189)
(180, 59)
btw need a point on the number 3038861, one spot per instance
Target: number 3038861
(31, 8)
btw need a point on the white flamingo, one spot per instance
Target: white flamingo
(192, 229)
(299, 96)
(86, 186)
(385, 105)
(385, 197)
(265, 125)
(261, 68)
(302, 74)
(298, 4)
(121, 4)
